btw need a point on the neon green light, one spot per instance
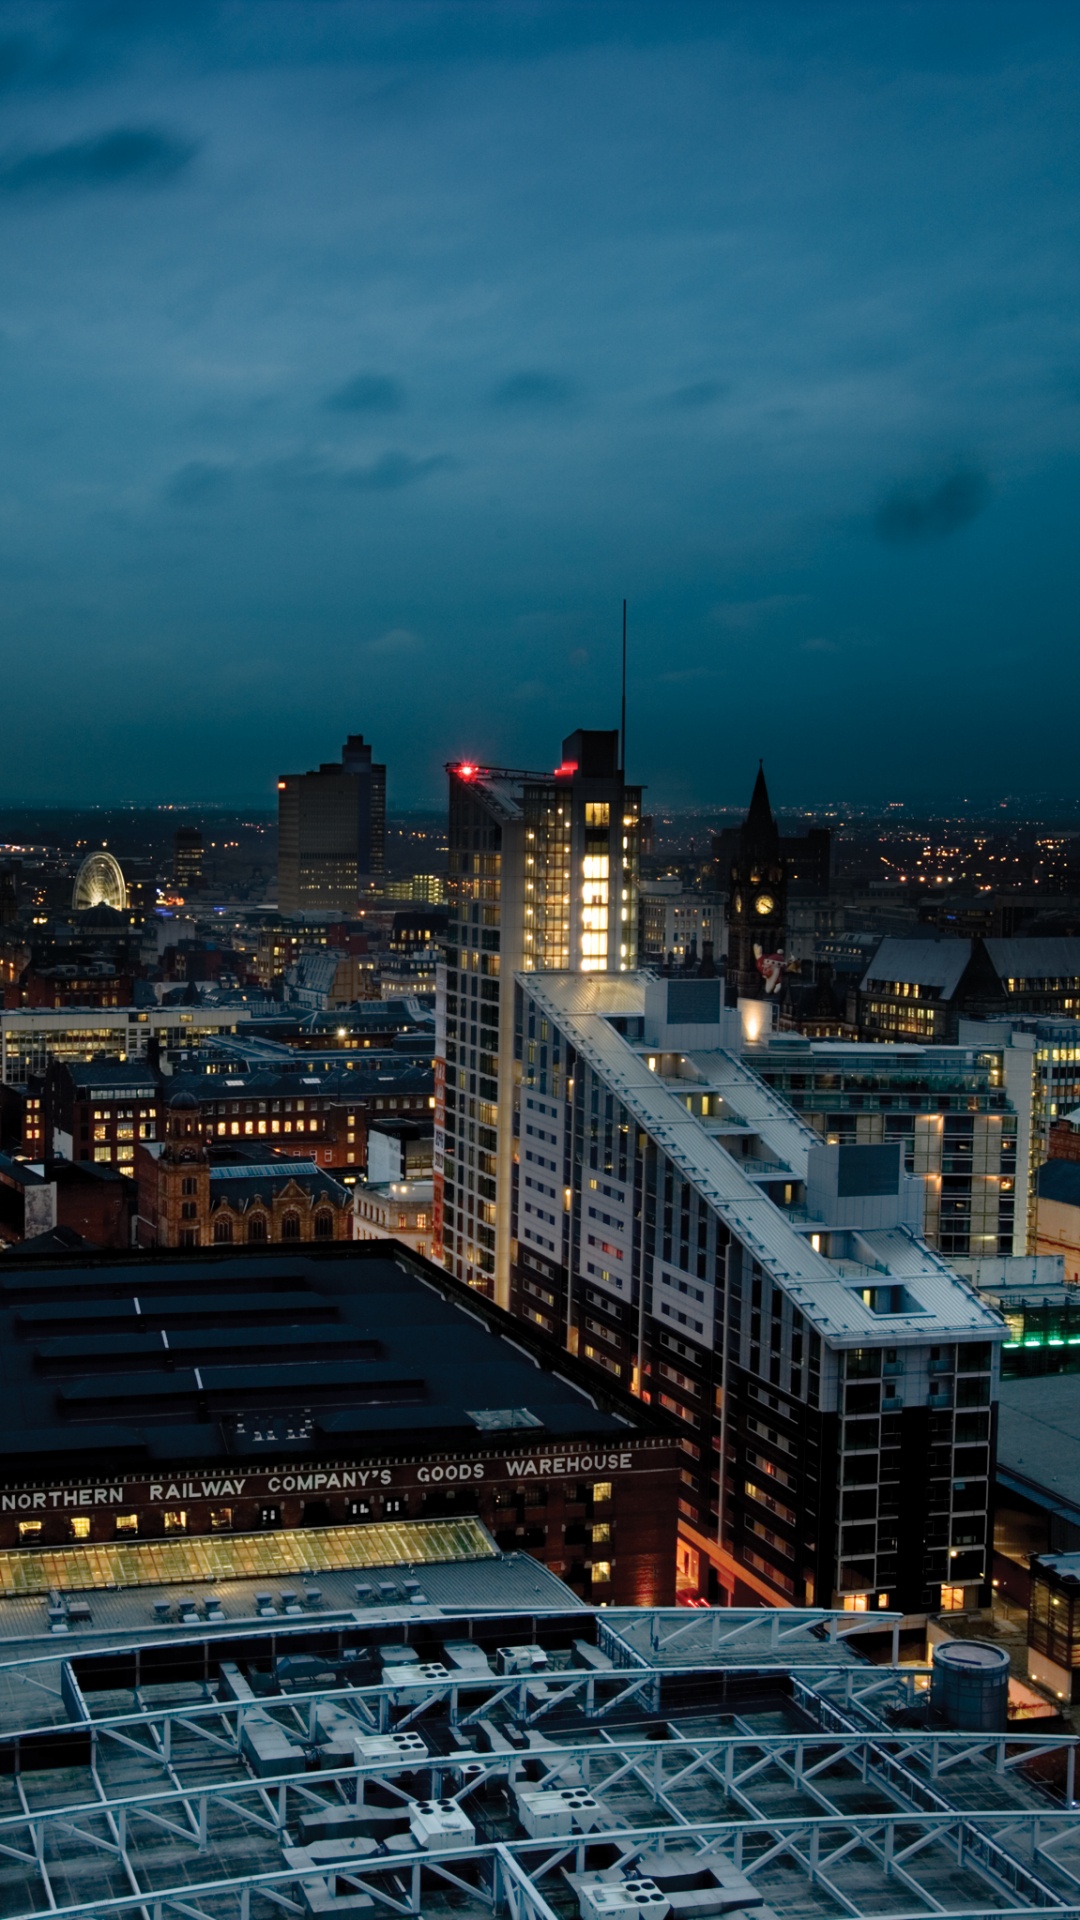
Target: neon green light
(1035, 1341)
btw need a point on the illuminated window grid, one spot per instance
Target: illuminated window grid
(547, 884)
(242, 1556)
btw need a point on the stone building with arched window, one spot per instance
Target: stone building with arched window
(192, 1195)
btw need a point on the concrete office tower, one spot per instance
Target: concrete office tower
(679, 1227)
(543, 872)
(331, 831)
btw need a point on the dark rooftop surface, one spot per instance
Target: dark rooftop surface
(1039, 1438)
(239, 1182)
(1060, 1180)
(121, 1360)
(113, 1076)
(366, 1079)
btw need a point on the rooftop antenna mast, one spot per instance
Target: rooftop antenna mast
(622, 727)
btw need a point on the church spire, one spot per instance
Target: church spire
(759, 830)
(761, 813)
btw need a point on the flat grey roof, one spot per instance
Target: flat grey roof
(1039, 1438)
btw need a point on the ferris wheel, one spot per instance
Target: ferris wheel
(100, 883)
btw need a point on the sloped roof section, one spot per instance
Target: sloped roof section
(938, 964)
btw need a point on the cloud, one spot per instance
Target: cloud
(198, 484)
(745, 616)
(139, 156)
(913, 513)
(14, 59)
(398, 643)
(368, 393)
(700, 393)
(534, 388)
(389, 472)
(393, 470)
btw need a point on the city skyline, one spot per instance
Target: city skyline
(375, 354)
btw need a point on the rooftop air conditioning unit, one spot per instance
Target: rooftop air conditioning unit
(391, 1749)
(521, 1659)
(440, 1823)
(411, 1683)
(544, 1811)
(618, 1899)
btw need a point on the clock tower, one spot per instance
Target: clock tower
(757, 902)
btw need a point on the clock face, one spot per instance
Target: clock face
(764, 903)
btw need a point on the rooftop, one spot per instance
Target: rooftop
(938, 964)
(1039, 1440)
(196, 1358)
(1060, 1180)
(366, 1079)
(105, 1079)
(584, 1005)
(491, 1745)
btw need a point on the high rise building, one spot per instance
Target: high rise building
(188, 854)
(331, 831)
(543, 874)
(679, 1227)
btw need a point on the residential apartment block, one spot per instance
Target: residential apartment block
(542, 875)
(963, 1116)
(677, 1225)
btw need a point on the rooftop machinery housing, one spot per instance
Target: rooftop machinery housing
(482, 1744)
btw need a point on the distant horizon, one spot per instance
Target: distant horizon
(1040, 804)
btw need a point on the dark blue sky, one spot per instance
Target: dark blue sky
(356, 359)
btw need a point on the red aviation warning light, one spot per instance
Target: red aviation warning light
(567, 770)
(465, 770)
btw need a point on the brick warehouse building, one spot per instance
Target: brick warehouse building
(301, 1395)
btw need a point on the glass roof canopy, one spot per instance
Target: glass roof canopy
(234, 1556)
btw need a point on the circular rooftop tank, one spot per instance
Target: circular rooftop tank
(99, 883)
(970, 1685)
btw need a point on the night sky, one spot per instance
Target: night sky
(356, 360)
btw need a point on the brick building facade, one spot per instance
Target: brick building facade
(192, 1195)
